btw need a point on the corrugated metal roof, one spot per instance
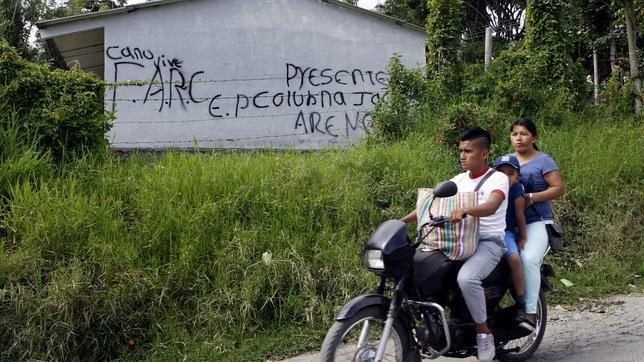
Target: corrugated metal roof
(132, 8)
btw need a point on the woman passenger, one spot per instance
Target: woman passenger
(542, 181)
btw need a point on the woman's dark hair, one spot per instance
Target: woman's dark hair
(529, 125)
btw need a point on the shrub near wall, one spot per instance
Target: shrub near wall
(406, 89)
(62, 110)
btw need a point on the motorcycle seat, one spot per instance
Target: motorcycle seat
(500, 273)
(433, 272)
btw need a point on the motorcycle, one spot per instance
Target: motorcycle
(417, 311)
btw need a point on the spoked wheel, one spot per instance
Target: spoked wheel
(356, 339)
(526, 346)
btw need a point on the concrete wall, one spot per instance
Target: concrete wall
(249, 73)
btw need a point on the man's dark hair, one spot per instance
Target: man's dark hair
(478, 135)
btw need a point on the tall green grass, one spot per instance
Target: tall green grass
(247, 256)
(20, 158)
(110, 259)
(601, 165)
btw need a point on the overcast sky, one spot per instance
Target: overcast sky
(368, 4)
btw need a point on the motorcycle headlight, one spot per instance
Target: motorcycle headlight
(373, 259)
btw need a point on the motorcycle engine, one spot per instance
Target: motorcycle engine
(430, 337)
(422, 334)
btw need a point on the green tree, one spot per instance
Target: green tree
(17, 18)
(443, 41)
(77, 7)
(506, 19)
(475, 18)
(546, 27)
(412, 11)
(502, 15)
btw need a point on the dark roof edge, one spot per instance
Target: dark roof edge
(99, 14)
(375, 14)
(59, 60)
(130, 8)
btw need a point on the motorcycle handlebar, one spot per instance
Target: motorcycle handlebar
(433, 223)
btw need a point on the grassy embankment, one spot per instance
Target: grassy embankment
(247, 256)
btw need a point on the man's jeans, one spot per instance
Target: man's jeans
(476, 268)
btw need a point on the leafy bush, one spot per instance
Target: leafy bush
(525, 82)
(547, 27)
(617, 97)
(442, 44)
(393, 116)
(473, 51)
(459, 117)
(62, 110)
(539, 80)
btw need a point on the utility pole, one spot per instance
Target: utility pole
(629, 14)
(613, 56)
(488, 47)
(595, 75)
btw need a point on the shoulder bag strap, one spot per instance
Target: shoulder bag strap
(487, 176)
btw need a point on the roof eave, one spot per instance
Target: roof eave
(130, 8)
(125, 9)
(375, 14)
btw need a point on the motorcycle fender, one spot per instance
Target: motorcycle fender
(363, 301)
(545, 284)
(546, 272)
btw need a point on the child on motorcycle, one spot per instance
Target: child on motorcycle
(515, 226)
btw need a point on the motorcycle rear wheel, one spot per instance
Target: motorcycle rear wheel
(528, 345)
(342, 340)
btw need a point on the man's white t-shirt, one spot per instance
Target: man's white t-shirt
(493, 225)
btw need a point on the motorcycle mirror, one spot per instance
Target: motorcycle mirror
(445, 189)
(382, 204)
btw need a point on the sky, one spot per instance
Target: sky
(368, 4)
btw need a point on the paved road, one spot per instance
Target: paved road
(607, 330)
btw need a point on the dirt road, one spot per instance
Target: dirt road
(611, 329)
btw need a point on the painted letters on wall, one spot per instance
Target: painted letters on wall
(299, 103)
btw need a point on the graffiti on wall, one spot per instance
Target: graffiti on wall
(318, 100)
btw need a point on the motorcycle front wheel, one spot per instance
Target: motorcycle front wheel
(357, 338)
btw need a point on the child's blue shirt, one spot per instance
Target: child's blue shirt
(516, 190)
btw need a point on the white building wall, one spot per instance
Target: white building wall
(248, 73)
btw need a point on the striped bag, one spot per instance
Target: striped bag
(457, 241)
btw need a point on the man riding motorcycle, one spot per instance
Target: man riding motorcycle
(474, 146)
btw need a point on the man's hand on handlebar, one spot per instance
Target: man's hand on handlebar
(457, 215)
